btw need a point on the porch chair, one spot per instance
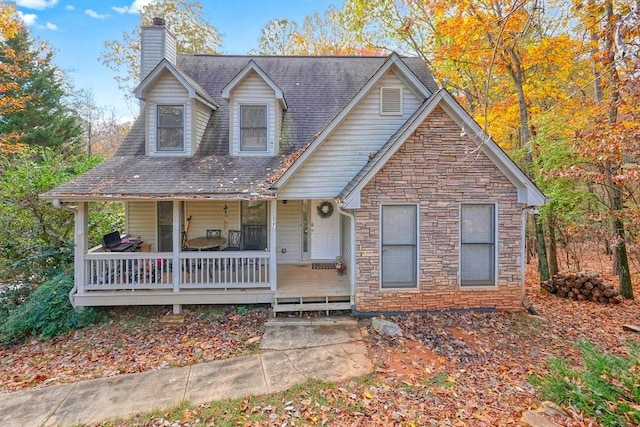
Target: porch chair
(234, 241)
(213, 234)
(254, 237)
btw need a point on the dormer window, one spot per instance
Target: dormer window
(170, 128)
(253, 128)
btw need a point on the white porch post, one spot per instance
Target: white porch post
(273, 252)
(176, 252)
(80, 245)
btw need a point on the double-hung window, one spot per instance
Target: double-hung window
(478, 244)
(399, 246)
(253, 128)
(170, 128)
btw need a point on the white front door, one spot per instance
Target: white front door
(325, 230)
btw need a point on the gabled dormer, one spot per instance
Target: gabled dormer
(175, 108)
(256, 105)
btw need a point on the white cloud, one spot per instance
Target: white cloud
(36, 4)
(50, 26)
(138, 4)
(70, 7)
(134, 8)
(93, 14)
(28, 18)
(120, 9)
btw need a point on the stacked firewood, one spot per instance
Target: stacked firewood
(582, 286)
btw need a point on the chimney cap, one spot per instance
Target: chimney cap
(158, 22)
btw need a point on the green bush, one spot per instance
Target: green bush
(606, 388)
(45, 313)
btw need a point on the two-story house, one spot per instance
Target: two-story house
(246, 177)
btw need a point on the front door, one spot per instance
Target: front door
(325, 230)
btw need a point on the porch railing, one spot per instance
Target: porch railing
(197, 270)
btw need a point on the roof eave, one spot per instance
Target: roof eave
(252, 66)
(194, 92)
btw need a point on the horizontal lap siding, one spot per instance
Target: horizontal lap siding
(439, 169)
(288, 232)
(168, 91)
(253, 91)
(210, 216)
(141, 221)
(347, 149)
(202, 118)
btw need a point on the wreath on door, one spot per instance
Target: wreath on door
(325, 209)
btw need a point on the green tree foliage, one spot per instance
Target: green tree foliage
(38, 237)
(186, 21)
(45, 313)
(45, 118)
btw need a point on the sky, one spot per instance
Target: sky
(77, 30)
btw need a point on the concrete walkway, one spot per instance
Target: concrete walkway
(293, 350)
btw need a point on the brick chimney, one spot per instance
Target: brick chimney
(156, 44)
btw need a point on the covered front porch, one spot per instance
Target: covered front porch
(274, 267)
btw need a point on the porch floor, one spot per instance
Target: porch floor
(302, 288)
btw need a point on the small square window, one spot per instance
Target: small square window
(170, 128)
(253, 128)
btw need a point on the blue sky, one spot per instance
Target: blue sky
(78, 29)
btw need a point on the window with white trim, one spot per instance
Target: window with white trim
(477, 244)
(170, 129)
(391, 100)
(399, 251)
(253, 128)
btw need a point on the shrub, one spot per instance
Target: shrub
(606, 388)
(45, 313)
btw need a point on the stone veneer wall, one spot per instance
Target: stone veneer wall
(438, 169)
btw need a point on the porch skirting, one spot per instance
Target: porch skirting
(163, 297)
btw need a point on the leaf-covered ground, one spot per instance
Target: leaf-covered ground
(451, 369)
(132, 340)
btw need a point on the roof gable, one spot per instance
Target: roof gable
(403, 72)
(252, 66)
(528, 193)
(193, 88)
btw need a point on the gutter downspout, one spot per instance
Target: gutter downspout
(352, 273)
(74, 209)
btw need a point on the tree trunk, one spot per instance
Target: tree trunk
(624, 275)
(517, 75)
(621, 259)
(553, 251)
(543, 265)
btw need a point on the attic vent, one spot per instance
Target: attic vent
(391, 101)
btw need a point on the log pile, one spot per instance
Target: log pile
(582, 286)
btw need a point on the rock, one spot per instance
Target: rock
(386, 327)
(253, 340)
(545, 416)
(172, 319)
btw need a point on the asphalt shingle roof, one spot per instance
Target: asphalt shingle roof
(316, 90)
